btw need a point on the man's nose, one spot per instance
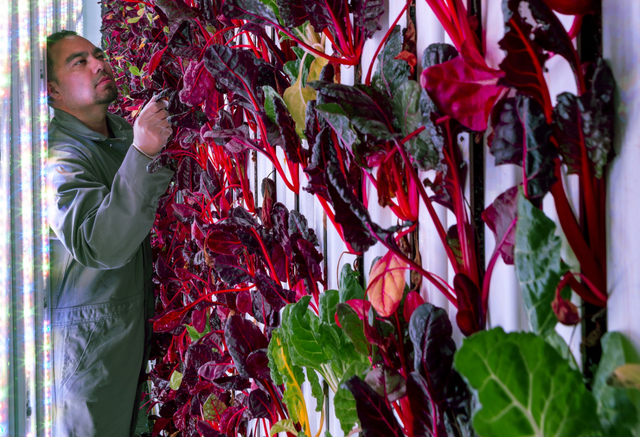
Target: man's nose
(97, 64)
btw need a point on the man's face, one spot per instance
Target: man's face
(83, 78)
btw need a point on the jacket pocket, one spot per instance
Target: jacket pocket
(78, 344)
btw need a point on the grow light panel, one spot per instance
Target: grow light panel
(5, 211)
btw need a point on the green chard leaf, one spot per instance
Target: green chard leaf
(349, 284)
(406, 109)
(391, 73)
(270, 95)
(284, 371)
(525, 388)
(353, 327)
(538, 264)
(619, 408)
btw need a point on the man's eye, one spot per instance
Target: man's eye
(79, 62)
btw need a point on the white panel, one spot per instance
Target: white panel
(92, 21)
(621, 33)
(382, 216)
(434, 258)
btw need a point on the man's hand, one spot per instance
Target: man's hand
(151, 129)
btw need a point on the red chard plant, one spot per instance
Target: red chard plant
(243, 317)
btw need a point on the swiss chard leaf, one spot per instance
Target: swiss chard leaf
(366, 14)
(376, 418)
(522, 136)
(464, 87)
(242, 338)
(406, 108)
(586, 123)
(499, 216)
(617, 407)
(538, 264)
(525, 388)
(391, 72)
(524, 62)
(240, 72)
(254, 11)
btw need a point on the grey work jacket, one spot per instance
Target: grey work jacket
(101, 207)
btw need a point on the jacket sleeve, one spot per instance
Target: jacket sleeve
(102, 227)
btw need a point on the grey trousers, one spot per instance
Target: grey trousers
(98, 351)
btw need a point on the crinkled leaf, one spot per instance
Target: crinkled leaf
(197, 84)
(525, 388)
(391, 72)
(254, 11)
(339, 122)
(325, 14)
(376, 418)
(240, 71)
(406, 108)
(430, 332)
(499, 217)
(522, 136)
(387, 382)
(242, 338)
(586, 123)
(617, 407)
(523, 65)
(538, 264)
(367, 15)
(386, 283)
(292, 13)
(327, 306)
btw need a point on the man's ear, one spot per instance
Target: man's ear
(53, 90)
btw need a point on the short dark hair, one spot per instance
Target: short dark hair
(52, 40)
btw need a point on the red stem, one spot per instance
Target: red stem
(573, 233)
(386, 36)
(428, 204)
(494, 258)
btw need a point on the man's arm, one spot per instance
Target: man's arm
(102, 228)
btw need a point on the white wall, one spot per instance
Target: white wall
(621, 34)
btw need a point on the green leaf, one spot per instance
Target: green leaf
(175, 380)
(618, 407)
(391, 72)
(406, 109)
(525, 388)
(133, 20)
(289, 374)
(353, 327)
(213, 408)
(327, 306)
(345, 403)
(269, 106)
(316, 388)
(135, 70)
(538, 266)
(299, 94)
(349, 284)
(339, 122)
(557, 342)
(307, 342)
(293, 70)
(284, 425)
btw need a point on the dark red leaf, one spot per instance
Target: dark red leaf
(499, 216)
(469, 317)
(374, 413)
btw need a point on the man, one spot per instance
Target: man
(102, 206)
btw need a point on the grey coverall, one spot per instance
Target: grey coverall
(101, 207)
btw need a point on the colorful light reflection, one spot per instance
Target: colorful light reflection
(5, 213)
